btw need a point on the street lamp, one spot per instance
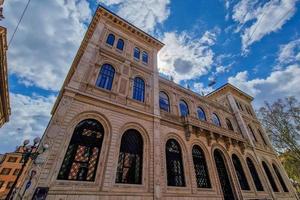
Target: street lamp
(29, 152)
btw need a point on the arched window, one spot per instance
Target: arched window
(130, 164)
(229, 124)
(81, 159)
(139, 89)
(201, 114)
(262, 137)
(254, 175)
(282, 183)
(240, 172)
(175, 173)
(106, 77)
(184, 109)
(252, 133)
(136, 53)
(200, 168)
(270, 177)
(110, 39)
(164, 103)
(145, 57)
(120, 44)
(215, 120)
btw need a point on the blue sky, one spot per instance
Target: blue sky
(253, 44)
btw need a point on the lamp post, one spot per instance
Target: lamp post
(29, 152)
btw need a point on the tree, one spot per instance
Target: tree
(281, 121)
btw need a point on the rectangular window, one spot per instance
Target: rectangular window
(16, 172)
(10, 183)
(12, 159)
(5, 171)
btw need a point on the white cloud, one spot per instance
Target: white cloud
(184, 57)
(29, 118)
(47, 39)
(145, 14)
(201, 89)
(278, 84)
(264, 18)
(290, 52)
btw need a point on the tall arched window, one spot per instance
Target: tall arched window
(136, 53)
(110, 39)
(215, 119)
(270, 177)
(106, 77)
(252, 133)
(262, 137)
(229, 124)
(200, 166)
(145, 57)
(240, 172)
(184, 109)
(120, 44)
(282, 183)
(138, 89)
(164, 102)
(81, 159)
(175, 173)
(254, 175)
(201, 114)
(130, 164)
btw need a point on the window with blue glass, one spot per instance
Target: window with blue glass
(184, 109)
(145, 57)
(215, 120)
(164, 103)
(201, 114)
(106, 77)
(139, 89)
(120, 44)
(136, 53)
(110, 39)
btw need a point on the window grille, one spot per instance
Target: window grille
(254, 175)
(270, 177)
(200, 166)
(240, 173)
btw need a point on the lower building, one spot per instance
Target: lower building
(119, 131)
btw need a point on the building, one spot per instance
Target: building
(119, 131)
(10, 167)
(4, 94)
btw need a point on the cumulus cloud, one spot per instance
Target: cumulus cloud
(290, 52)
(201, 89)
(278, 84)
(145, 14)
(184, 57)
(47, 39)
(264, 17)
(29, 118)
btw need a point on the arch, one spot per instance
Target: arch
(82, 156)
(224, 175)
(110, 39)
(184, 109)
(200, 166)
(262, 137)
(254, 174)
(106, 76)
(240, 172)
(120, 44)
(270, 177)
(282, 183)
(175, 171)
(136, 53)
(145, 57)
(201, 114)
(130, 163)
(138, 89)
(252, 132)
(164, 101)
(215, 119)
(229, 124)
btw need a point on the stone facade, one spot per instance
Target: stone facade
(117, 111)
